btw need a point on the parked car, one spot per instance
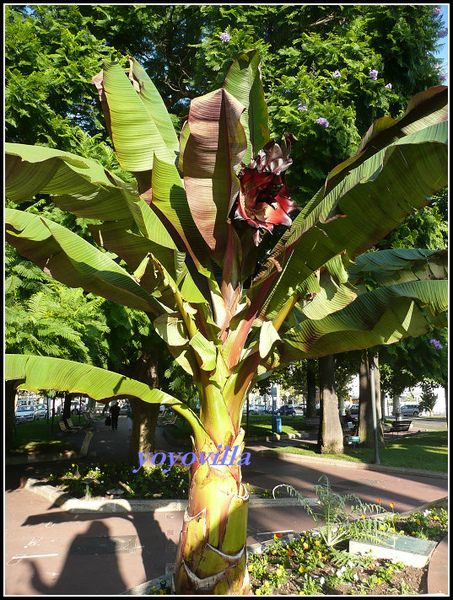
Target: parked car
(41, 411)
(286, 409)
(25, 413)
(409, 411)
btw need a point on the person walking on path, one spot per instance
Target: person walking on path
(115, 411)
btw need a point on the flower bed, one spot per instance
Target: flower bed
(306, 565)
(148, 483)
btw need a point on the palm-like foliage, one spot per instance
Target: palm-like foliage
(190, 234)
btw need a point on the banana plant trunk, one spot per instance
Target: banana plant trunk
(212, 556)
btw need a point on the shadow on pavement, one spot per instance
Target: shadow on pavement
(92, 559)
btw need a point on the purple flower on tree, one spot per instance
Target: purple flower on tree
(436, 12)
(323, 122)
(388, 86)
(443, 33)
(443, 77)
(225, 37)
(373, 74)
(436, 344)
(336, 74)
(301, 106)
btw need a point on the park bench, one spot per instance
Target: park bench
(71, 425)
(67, 426)
(168, 418)
(312, 422)
(351, 440)
(399, 426)
(63, 427)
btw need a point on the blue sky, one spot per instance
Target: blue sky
(443, 54)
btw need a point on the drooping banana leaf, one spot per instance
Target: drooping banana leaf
(381, 316)
(131, 228)
(87, 190)
(73, 261)
(398, 265)
(37, 373)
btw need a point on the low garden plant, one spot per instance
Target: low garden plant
(339, 517)
(429, 524)
(307, 566)
(148, 483)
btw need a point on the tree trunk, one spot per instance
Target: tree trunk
(144, 415)
(67, 406)
(366, 426)
(212, 555)
(10, 415)
(311, 388)
(144, 421)
(379, 403)
(396, 405)
(330, 432)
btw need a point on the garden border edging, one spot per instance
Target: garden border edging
(120, 505)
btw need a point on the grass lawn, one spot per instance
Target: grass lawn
(261, 425)
(422, 451)
(37, 436)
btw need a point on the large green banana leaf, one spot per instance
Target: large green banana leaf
(358, 212)
(243, 81)
(424, 109)
(398, 265)
(381, 316)
(84, 188)
(147, 146)
(211, 156)
(37, 373)
(74, 261)
(131, 228)
(141, 126)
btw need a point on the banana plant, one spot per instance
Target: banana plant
(184, 244)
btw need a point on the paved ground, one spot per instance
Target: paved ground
(51, 552)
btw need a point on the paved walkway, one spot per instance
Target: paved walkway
(51, 552)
